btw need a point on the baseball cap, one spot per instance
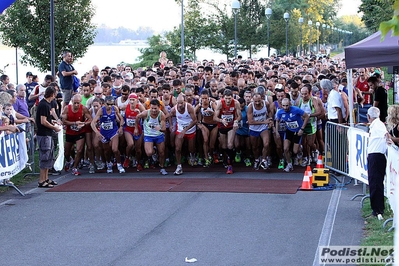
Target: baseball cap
(28, 74)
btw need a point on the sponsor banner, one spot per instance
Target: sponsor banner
(13, 154)
(358, 142)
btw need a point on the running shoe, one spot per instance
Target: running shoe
(120, 168)
(208, 162)
(100, 165)
(139, 168)
(215, 158)
(109, 168)
(200, 162)
(264, 164)
(281, 164)
(146, 165)
(296, 161)
(126, 163)
(269, 161)
(238, 157)
(247, 162)
(75, 171)
(305, 162)
(179, 170)
(256, 165)
(163, 172)
(92, 169)
(288, 168)
(229, 170)
(67, 166)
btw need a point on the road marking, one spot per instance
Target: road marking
(328, 225)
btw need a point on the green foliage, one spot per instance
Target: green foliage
(26, 25)
(375, 12)
(392, 24)
(150, 55)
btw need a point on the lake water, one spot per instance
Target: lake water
(100, 55)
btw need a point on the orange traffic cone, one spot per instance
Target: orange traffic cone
(319, 163)
(310, 174)
(306, 184)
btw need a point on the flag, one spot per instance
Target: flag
(4, 4)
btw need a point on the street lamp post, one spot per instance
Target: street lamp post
(300, 21)
(182, 33)
(235, 6)
(318, 38)
(268, 13)
(329, 33)
(286, 18)
(310, 37)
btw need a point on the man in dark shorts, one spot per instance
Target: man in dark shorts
(227, 115)
(45, 127)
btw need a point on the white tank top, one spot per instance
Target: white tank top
(259, 116)
(183, 120)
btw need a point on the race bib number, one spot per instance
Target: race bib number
(74, 127)
(292, 125)
(130, 122)
(228, 118)
(181, 127)
(107, 125)
(282, 126)
(152, 126)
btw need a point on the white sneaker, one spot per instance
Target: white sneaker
(163, 172)
(120, 168)
(296, 161)
(305, 162)
(264, 164)
(179, 170)
(288, 168)
(109, 168)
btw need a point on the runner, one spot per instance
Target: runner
(186, 129)
(227, 114)
(296, 120)
(132, 110)
(154, 128)
(75, 117)
(109, 116)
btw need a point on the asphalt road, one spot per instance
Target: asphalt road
(164, 228)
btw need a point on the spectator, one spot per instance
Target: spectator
(45, 127)
(376, 161)
(66, 72)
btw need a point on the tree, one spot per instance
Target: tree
(26, 25)
(150, 55)
(392, 24)
(375, 12)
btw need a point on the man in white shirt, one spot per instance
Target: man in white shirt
(376, 161)
(335, 103)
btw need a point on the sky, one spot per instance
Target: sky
(160, 15)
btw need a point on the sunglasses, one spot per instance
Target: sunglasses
(97, 93)
(125, 94)
(109, 104)
(168, 79)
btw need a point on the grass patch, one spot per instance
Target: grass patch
(374, 233)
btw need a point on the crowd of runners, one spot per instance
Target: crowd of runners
(261, 113)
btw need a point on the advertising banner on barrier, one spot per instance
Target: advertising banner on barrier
(392, 174)
(358, 142)
(13, 154)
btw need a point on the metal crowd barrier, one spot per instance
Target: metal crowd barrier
(336, 148)
(31, 164)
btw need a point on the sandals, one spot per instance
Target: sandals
(45, 184)
(51, 182)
